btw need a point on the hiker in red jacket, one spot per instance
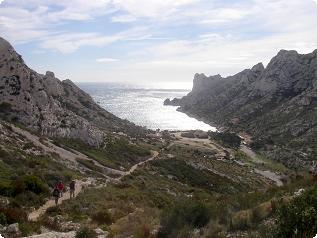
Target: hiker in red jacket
(60, 187)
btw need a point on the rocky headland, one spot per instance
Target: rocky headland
(276, 105)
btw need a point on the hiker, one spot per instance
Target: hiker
(56, 194)
(72, 188)
(60, 187)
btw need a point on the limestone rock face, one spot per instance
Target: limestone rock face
(53, 107)
(277, 103)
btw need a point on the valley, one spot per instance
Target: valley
(137, 182)
(133, 197)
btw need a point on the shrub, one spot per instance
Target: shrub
(299, 217)
(28, 228)
(28, 145)
(86, 232)
(256, 215)
(6, 188)
(29, 183)
(5, 107)
(241, 220)
(14, 214)
(183, 214)
(226, 138)
(53, 211)
(186, 173)
(3, 219)
(143, 232)
(102, 217)
(28, 198)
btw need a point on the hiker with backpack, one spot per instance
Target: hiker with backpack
(56, 194)
(60, 187)
(72, 186)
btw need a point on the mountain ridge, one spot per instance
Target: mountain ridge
(276, 104)
(53, 107)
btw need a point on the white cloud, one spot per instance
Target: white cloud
(123, 18)
(27, 20)
(151, 8)
(224, 15)
(180, 38)
(227, 55)
(69, 42)
(106, 60)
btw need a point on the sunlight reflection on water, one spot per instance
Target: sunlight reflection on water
(144, 107)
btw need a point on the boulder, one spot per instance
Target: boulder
(13, 230)
(101, 233)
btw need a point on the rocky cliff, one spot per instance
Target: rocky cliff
(277, 105)
(52, 107)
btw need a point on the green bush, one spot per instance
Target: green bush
(14, 214)
(3, 219)
(226, 138)
(5, 107)
(299, 217)
(28, 228)
(6, 188)
(117, 152)
(186, 173)
(86, 232)
(187, 213)
(29, 199)
(53, 211)
(143, 231)
(102, 217)
(29, 183)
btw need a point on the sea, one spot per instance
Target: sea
(144, 106)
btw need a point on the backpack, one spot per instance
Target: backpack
(55, 192)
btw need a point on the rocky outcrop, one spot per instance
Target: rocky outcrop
(52, 107)
(71, 234)
(277, 105)
(11, 231)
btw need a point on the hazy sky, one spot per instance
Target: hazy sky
(155, 41)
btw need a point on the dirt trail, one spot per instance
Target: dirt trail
(251, 154)
(199, 143)
(265, 173)
(71, 156)
(134, 167)
(206, 143)
(33, 216)
(270, 175)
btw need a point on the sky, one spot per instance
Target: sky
(160, 43)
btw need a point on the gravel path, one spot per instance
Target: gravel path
(80, 185)
(270, 175)
(33, 216)
(71, 156)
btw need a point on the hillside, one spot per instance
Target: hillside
(165, 185)
(52, 107)
(276, 105)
